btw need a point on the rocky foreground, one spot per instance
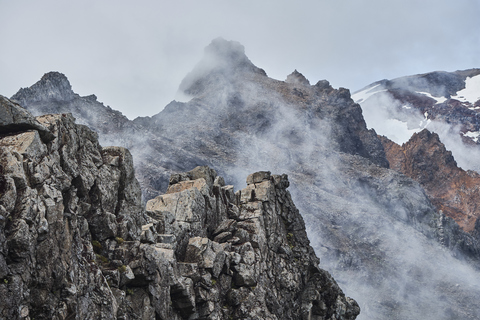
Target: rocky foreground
(76, 243)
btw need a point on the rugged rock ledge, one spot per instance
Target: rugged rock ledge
(75, 242)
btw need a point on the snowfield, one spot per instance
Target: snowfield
(438, 99)
(471, 93)
(362, 96)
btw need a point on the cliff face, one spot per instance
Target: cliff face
(75, 242)
(450, 188)
(58, 195)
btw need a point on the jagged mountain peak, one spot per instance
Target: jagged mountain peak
(437, 83)
(429, 143)
(222, 59)
(231, 52)
(447, 103)
(56, 77)
(297, 78)
(451, 189)
(52, 86)
(53, 94)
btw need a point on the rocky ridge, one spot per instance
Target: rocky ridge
(375, 229)
(76, 243)
(441, 95)
(231, 100)
(450, 188)
(53, 94)
(447, 103)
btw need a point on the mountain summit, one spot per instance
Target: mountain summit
(53, 94)
(52, 86)
(222, 59)
(444, 102)
(451, 189)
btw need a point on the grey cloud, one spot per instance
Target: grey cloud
(133, 56)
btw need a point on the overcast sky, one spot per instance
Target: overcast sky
(134, 54)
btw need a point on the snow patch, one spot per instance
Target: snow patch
(425, 122)
(473, 135)
(471, 93)
(398, 131)
(362, 96)
(438, 99)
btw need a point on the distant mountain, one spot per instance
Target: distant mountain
(451, 189)
(447, 103)
(374, 228)
(54, 94)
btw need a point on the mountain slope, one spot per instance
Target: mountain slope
(375, 229)
(454, 191)
(447, 103)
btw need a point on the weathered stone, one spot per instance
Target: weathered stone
(258, 177)
(14, 119)
(226, 225)
(76, 242)
(166, 238)
(223, 237)
(185, 205)
(200, 184)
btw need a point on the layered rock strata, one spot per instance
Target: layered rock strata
(75, 242)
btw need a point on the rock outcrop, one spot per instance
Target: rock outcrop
(14, 118)
(249, 250)
(57, 198)
(75, 242)
(452, 190)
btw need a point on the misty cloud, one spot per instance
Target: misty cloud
(133, 56)
(398, 122)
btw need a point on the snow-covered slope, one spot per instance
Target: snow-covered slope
(471, 93)
(447, 103)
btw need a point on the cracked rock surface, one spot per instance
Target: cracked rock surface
(76, 243)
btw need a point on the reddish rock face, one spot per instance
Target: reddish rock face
(451, 189)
